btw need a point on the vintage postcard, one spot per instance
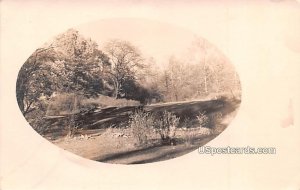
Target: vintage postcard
(150, 94)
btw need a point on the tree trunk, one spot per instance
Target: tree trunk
(205, 83)
(117, 89)
(20, 90)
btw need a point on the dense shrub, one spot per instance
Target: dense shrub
(64, 104)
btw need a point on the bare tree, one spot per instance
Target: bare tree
(125, 60)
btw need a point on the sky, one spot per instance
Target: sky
(155, 39)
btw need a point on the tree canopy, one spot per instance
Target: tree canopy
(74, 64)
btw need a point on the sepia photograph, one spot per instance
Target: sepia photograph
(148, 94)
(145, 93)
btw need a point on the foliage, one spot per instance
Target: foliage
(70, 64)
(125, 60)
(198, 73)
(106, 101)
(82, 66)
(166, 126)
(73, 123)
(210, 123)
(216, 120)
(141, 124)
(87, 77)
(145, 125)
(33, 80)
(37, 118)
(203, 119)
(64, 104)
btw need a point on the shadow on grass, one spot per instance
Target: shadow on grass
(155, 153)
(127, 154)
(171, 153)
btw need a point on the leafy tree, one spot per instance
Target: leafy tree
(70, 63)
(83, 66)
(33, 79)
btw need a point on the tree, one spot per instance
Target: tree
(125, 60)
(209, 69)
(69, 64)
(176, 81)
(81, 70)
(147, 85)
(199, 57)
(83, 66)
(32, 81)
(219, 76)
(201, 71)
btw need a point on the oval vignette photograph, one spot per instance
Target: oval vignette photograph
(128, 91)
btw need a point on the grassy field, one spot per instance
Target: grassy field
(106, 137)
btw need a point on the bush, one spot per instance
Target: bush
(73, 123)
(37, 121)
(198, 130)
(64, 104)
(203, 119)
(166, 127)
(141, 125)
(216, 120)
(210, 124)
(36, 117)
(145, 125)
